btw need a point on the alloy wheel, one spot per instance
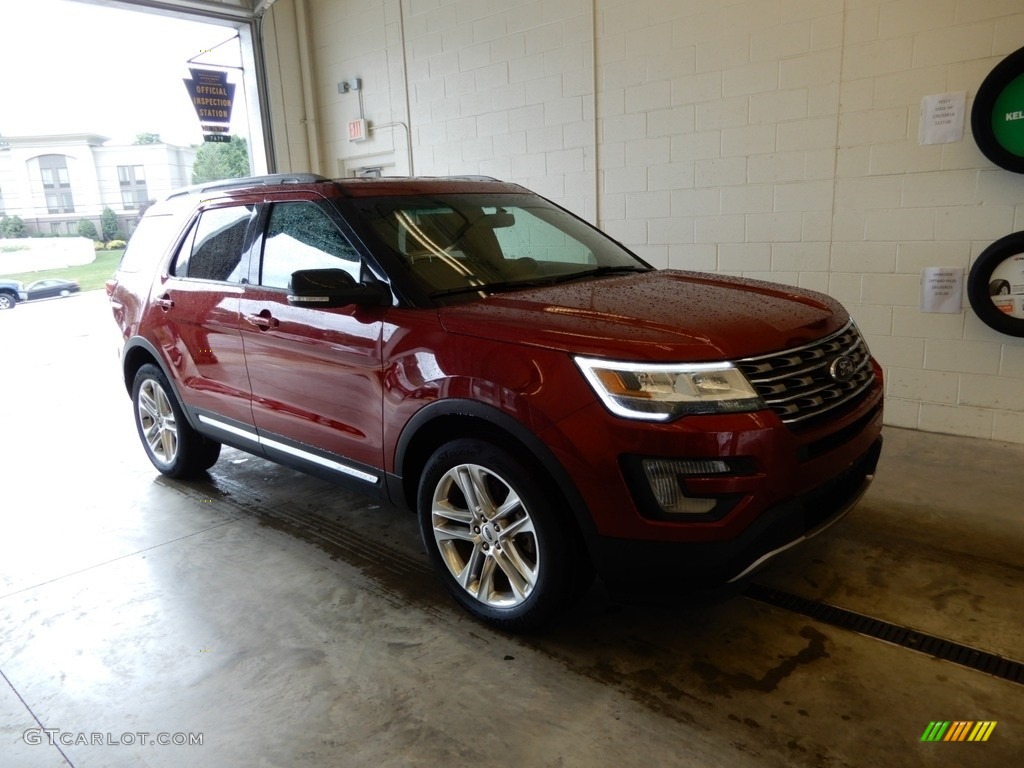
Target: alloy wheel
(485, 535)
(156, 417)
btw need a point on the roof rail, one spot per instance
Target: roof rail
(471, 177)
(251, 181)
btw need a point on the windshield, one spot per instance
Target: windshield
(480, 243)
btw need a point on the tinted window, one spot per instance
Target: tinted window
(302, 236)
(216, 246)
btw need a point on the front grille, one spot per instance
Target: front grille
(799, 384)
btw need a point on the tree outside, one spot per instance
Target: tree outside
(221, 160)
(13, 226)
(109, 225)
(87, 229)
(147, 138)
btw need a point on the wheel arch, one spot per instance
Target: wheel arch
(446, 420)
(137, 353)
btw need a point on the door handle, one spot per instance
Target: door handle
(165, 302)
(264, 320)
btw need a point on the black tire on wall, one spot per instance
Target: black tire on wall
(979, 284)
(1001, 76)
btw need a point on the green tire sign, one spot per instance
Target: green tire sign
(997, 118)
(1008, 117)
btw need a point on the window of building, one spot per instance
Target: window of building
(56, 184)
(133, 186)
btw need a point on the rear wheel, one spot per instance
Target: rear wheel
(496, 535)
(173, 447)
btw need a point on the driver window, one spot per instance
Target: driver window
(301, 235)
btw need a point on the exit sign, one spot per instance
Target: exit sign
(357, 130)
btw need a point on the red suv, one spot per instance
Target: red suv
(547, 402)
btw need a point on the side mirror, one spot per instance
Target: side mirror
(329, 288)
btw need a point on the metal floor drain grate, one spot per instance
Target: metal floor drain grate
(940, 648)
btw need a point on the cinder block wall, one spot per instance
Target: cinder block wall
(771, 138)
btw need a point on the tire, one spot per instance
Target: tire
(980, 284)
(174, 448)
(509, 558)
(7, 301)
(991, 93)
(65, 292)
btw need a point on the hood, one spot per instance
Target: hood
(664, 315)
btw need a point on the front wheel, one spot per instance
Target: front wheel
(171, 444)
(496, 535)
(7, 301)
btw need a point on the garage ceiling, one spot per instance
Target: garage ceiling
(223, 10)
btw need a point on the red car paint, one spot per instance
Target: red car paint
(373, 387)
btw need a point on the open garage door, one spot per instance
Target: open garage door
(245, 18)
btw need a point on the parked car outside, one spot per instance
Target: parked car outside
(49, 288)
(549, 404)
(9, 293)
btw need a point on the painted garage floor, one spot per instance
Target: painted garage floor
(263, 618)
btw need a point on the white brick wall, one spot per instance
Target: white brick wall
(772, 139)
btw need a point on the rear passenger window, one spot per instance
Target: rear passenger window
(213, 251)
(301, 236)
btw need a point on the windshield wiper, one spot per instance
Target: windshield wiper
(512, 285)
(506, 285)
(601, 272)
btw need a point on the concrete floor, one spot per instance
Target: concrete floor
(288, 623)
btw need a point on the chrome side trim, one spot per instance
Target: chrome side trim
(284, 448)
(323, 462)
(237, 431)
(810, 534)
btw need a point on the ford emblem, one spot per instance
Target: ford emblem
(842, 369)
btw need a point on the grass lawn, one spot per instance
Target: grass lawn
(90, 276)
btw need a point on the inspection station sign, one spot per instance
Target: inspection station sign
(212, 96)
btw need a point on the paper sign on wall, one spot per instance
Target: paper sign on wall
(942, 289)
(942, 118)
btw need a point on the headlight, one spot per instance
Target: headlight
(654, 392)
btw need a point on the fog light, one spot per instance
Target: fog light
(663, 476)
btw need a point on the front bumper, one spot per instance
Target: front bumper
(651, 566)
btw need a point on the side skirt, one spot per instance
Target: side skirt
(281, 450)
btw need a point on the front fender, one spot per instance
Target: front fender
(479, 417)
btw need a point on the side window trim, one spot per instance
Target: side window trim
(187, 244)
(184, 247)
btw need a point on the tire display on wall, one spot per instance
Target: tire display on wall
(997, 117)
(995, 286)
